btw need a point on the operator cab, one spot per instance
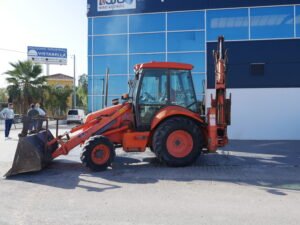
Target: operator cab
(161, 84)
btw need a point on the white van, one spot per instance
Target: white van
(75, 116)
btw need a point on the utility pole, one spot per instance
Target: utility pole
(106, 86)
(47, 69)
(103, 91)
(74, 86)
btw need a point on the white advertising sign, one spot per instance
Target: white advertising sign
(109, 5)
(47, 55)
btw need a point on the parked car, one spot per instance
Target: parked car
(75, 116)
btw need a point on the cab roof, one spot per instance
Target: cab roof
(163, 65)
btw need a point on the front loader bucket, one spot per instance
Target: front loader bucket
(32, 153)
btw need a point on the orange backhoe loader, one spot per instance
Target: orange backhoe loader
(160, 112)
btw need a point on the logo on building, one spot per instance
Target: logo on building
(109, 5)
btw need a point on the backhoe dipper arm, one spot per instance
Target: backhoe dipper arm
(219, 113)
(96, 127)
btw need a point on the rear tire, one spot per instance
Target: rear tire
(98, 153)
(178, 141)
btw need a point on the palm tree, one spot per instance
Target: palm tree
(57, 104)
(25, 83)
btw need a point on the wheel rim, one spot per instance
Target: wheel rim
(100, 154)
(179, 143)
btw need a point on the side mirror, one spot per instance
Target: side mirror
(115, 101)
(125, 97)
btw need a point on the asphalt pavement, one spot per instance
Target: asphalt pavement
(248, 182)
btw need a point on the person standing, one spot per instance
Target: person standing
(32, 114)
(8, 115)
(42, 115)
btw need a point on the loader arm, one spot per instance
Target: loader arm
(96, 126)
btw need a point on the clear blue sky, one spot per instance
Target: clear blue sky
(45, 23)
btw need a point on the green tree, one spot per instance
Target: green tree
(3, 95)
(26, 83)
(82, 92)
(56, 100)
(3, 98)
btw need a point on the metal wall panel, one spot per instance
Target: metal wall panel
(281, 59)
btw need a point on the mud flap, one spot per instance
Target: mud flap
(32, 153)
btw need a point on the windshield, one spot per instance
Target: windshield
(73, 112)
(154, 88)
(167, 87)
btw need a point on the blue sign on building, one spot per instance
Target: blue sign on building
(47, 55)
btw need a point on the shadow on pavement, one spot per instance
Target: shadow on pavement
(273, 166)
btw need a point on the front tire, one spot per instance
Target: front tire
(178, 141)
(98, 153)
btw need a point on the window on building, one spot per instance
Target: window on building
(257, 69)
(90, 25)
(98, 102)
(90, 45)
(110, 25)
(117, 64)
(147, 23)
(99, 85)
(115, 44)
(298, 21)
(233, 24)
(117, 85)
(90, 87)
(144, 43)
(90, 65)
(186, 21)
(272, 22)
(186, 41)
(197, 59)
(90, 104)
(199, 82)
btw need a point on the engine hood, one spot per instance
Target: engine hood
(103, 112)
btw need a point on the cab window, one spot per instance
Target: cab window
(153, 94)
(154, 87)
(182, 90)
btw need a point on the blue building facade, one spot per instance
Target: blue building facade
(262, 37)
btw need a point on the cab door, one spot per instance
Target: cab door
(151, 96)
